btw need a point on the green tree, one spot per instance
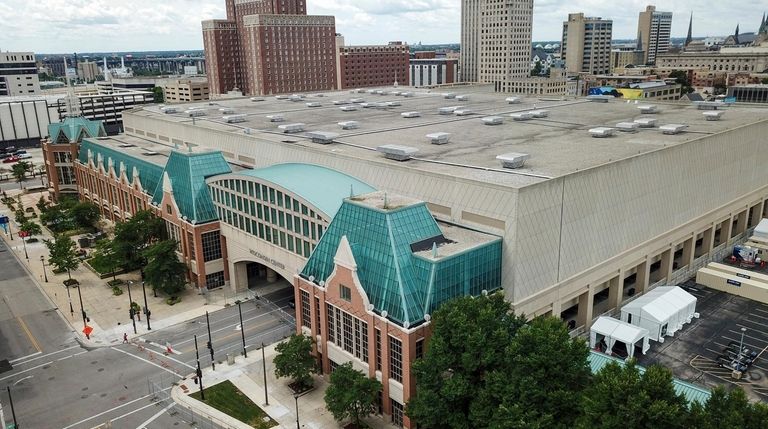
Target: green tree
(85, 214)
(31, 228)
(20, 170)
(619, 397)
(536, 71)
(159, 95)
(106, 253)
(294, 360)
(164, 271)
(468, 342)
(135, 235)
(351, 394)
(541, 382)
(728, 409)
(42, 205)
(62, 254)
(681, 77)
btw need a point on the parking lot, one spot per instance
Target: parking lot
(692, 354)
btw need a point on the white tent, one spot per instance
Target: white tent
(612, 330)
(761, 230)
(662, 311)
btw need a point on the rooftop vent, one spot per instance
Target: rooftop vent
(257, 98)
(168, 110)
(463, 112)
(448, 110)
(275, 118)
(539, 113)
(295, 98)
(462, 98)
(396, 92)
(407, 94)
(232, 119)
(322, 137)
(383, 92)
(493, 120)
(521, 116)
(628, 127)
(599, 98)
(348, 108)
(392, 103)
(314, 104)
(673, 128)
(602, 131)
(439, 138)
(124, 144)
(357, 100)
(513, 100)
(195, 113)
(713, 115)
(708, 105)
(646, 122)
(513, 159)
(648, 108)
(349, 125)
(410, 114)
(281, 97)
(397, 152)
(371, 91)
(227, 110)
(149, 153)
(449, 96)
(340, 102)
(367, 105)
(291, 128)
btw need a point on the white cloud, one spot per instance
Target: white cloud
(51, 26)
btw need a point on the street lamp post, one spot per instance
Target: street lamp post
(146, 307)
(69, 297)
(82, 309)
(24, 242)
(296, 398)
(13, 410)
(131, 311)
(741, 344)
(210, 342)
(264, 367)
(45, 273)
(242, 329)
(199, 372)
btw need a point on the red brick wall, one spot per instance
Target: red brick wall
(222, 59)
(365, 66)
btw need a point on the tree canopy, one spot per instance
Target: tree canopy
(20, 170)
(85, 213)
(164, 271)
(351, 395)
(294, 360)
(135, 235)
(31, 228)
(62, 253)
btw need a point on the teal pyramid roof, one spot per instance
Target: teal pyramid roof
(397, 280)
(75, 128)
(187, 172)
(149, 173)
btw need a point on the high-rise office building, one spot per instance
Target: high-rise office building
(270, 47)
(18, 73)
(586, 46)
(653, 32)
(496, 41)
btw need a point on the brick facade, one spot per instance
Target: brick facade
(366, 66)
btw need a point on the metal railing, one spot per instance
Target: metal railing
(160, 390)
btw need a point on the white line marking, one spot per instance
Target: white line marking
(24, 357)
(113, 409)
(168, 357)
(64, 358)
(22, 379)
(149, 362)
(164, 348)
(26, 370)
(101, 426)
(42, 356)
(153, 418)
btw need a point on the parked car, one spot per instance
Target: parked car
(24, 156)
(11, 159)
(10, 149)
(19, 152)
(5, 155)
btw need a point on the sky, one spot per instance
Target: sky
(59, 26)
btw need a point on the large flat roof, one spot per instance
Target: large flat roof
(558, 144)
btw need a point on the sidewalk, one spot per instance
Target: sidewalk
(108, 313)
(248, 376)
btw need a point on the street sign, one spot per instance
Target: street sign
(87, 330)
(3, 219)
(23, 234)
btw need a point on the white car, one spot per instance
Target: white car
(24, 156)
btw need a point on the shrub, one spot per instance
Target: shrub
(117, 291)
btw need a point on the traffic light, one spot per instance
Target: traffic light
(199, 373)
(208, 345)
(130, 313)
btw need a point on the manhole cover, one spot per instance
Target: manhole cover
(84, 389)
(51, 378)
(103, 395)
(94, 362)
(83, 396)
(46, 366)
(100, 369)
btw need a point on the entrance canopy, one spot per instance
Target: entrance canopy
(662, 311)
(612, 330)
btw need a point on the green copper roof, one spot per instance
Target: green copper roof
(187, 173)
(75, 129)
(149, 173)
(322, 187)
(396, 280)
(691, 392)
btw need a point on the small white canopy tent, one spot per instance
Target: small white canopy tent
(612, 330)
(761, 230)
(662, 311)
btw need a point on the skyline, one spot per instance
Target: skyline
(56, 26)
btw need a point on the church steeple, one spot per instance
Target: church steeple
(763, 26)
(689, 39)
(736, 35)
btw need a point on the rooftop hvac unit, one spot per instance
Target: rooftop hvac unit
(195, 113)
(602, 132)
(314, 104)
(291, 128)
(257, 98)
(708, 105)
(448, 110)
(449, 96)
(348, 108)
(149, 153)
(463, 112)
(275, 118)
(366, 105)
(513, 159)
(397, 152)
(392, 103)
(295, 98)
(539, 113)
(227, 110)
(646, 122)
(407, 94)
(713, 115)
(123, 145)
(648, 108)
(371, 91)
(231, 119)
(349, 125)
(462, 98)
(673, 128)
(410, 114)
(169, 110)
(322, 137)
(493, 120)
(340, 102)
(521, 116)
(357, 100)
(383, 93)
(396, 92)
(439, 138)
(628, 127)
(513, 100)
(379, 105)
(281, 97)
(599, 98)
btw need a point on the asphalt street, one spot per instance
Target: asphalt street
(58, 383)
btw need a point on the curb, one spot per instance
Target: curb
(205, 410)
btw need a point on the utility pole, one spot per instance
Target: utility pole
(69, 297)
(45, 273)
(82, 309)
(131, 311)
(210, 342)
(146, 307)
(13, 410)
(199, 372)
(242, 328)
(264, 366)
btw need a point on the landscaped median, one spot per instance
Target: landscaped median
(227, 398)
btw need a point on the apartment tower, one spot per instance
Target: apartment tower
(586, 45)
(653, 32)
(18, 73)
(270, 47)
(496, 41)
